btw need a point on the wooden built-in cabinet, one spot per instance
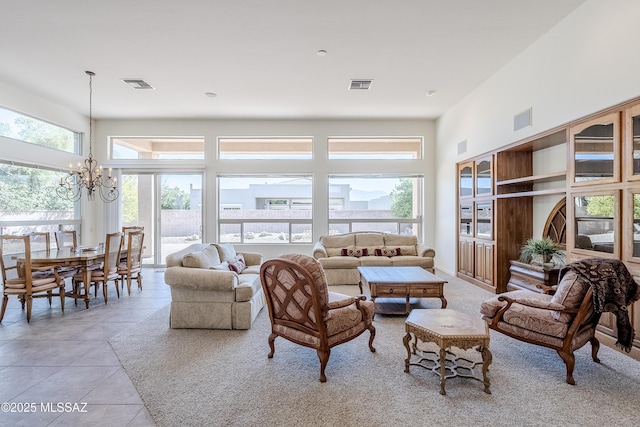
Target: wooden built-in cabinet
(501, 194)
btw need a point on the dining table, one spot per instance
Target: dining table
(69, 257)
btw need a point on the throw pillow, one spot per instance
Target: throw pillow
(196, 260)
(238, 265)
(388, 251)
(227, 252)
(356, 252)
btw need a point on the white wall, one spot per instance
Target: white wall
(588, 62)
(320, 166)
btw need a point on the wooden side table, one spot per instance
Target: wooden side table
(448, 328)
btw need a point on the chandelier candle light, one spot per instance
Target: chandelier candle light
(90, 176)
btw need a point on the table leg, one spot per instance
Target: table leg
(406, 340)
(87, 282)
(443, 373)
(408, 306)
(487, 358)
(444, 302)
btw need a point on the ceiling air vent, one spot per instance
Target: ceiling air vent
(360, 84)
(138, 84)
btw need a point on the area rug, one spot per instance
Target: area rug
(224, 378)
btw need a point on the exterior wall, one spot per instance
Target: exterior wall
(584, 64)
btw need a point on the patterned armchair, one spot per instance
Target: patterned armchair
(567, 320)
(303, 311)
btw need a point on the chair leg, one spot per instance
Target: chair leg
(5, 300)
(569, 360)
(272, 338)
(105, 291)
(128, 284)
(62, 296)
(372, 329)
(118, 288)
(29, 299)
(139, 278)
(595, 346)
(324, 359)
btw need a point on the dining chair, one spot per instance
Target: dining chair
(66, 238)
(40, 241)
(20, 278)
(128, 229)
(132, 267)
(108, 271)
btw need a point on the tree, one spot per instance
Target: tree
(174, 198)
(129, 199)
(600, 206)
(402, 199)
(30, 189)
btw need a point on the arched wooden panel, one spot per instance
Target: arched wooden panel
(556, 225)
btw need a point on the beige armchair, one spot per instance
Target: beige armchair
(567, 320)
(303, 311)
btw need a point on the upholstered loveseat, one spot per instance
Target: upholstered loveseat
(341, 255)
(206, 293)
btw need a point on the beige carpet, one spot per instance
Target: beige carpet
(224, 378)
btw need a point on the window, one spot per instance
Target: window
(28, 200)
(386, 203)
(137, 148)
(24, 128)
(265, 209)
(265, 148)
(375, 148)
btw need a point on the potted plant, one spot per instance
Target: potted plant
(543, 250)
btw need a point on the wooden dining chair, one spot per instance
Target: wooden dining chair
(131, 269)
(40, 241)
(128, 229)
(66, 238)
(108, 271)
(20, 278)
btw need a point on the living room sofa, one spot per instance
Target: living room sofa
(207, 294)
(341, 255)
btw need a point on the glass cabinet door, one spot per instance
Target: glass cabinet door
(596, 223)
(595, 148)
(466, 219)
(632, 142)
(484, 220)
(484, 181)
(465, 180)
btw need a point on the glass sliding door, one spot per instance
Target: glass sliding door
(168, 206)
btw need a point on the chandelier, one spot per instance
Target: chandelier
(89, 176)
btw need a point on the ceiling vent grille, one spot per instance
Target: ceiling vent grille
(138, 84)
(360, 84)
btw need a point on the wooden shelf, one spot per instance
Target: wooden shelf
(533, 193)
(547, 177)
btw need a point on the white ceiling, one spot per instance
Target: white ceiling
(259, 56)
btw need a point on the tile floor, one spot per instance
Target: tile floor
(65, 358)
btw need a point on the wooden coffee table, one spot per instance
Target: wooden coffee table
(402, 282)
(448, 328)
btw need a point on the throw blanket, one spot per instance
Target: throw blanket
(613, 291)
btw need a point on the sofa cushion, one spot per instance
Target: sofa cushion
(206, 258)
(340, 262)
(369, 240)
(223, 266)
(529, 318)
(227, 251)
(400, 240)
(340, 241)
(382, 261)
(248, 286)
(411, 261)
(570, 293)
